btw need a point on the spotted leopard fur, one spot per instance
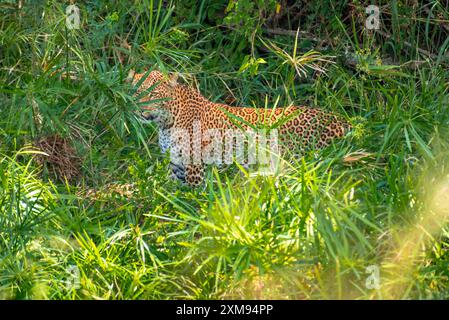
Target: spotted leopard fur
(179, 106)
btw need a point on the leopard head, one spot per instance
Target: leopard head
(155, 104)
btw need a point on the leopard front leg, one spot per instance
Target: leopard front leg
(191, 175)
(178, 172)
(194, 174)
(181, 161)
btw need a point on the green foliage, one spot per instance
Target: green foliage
(251, 65)
(248, 16)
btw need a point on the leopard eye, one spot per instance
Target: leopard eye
(147, 115)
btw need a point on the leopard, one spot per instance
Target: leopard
(183, 116)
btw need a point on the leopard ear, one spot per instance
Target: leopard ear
(173, 79)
